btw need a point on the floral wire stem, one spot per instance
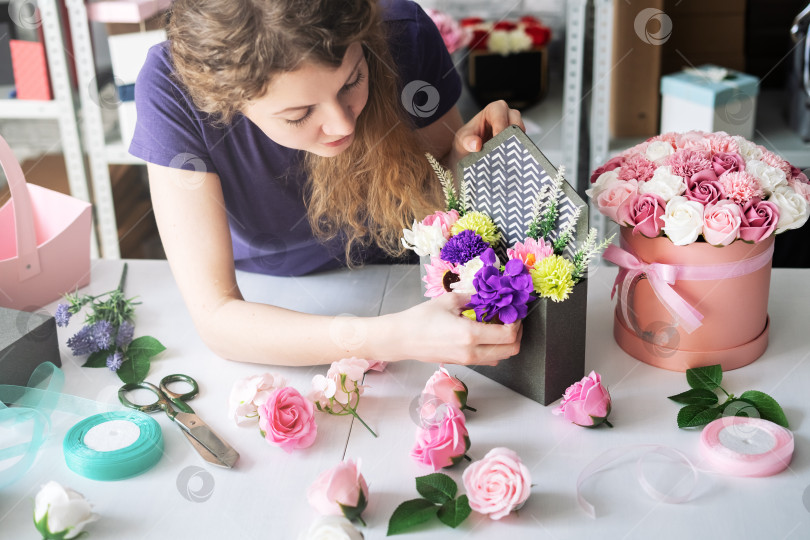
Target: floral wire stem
(448, 184)
(345, 408)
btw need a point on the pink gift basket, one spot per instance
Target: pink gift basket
(45, 241)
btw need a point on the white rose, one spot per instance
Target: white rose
(331, 528)
(466, 273)
(769, 178)
(519, 41)
(793, 208)
(605, 181)
(60, 512)
(657, 151)
(664, 184)
(499, 42)
(747, 149)
(683, 220)
(248, 393)
(425, 240)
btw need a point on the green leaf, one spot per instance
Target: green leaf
(708, 377)
(768, 408)
(353, 512)
(145, 345)
(452, 513)
(696, 415)
(97, 359)
(437, 487)
(409, 514)
(696, 396)
(134, 368)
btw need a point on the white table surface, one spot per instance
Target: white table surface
(264, 496)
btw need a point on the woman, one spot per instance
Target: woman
(282, 137)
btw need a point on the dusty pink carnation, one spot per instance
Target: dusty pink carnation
(775, 161)
(740, 186)
(690, 140)
(434, 278)
(637, 167)
(721, 142)
(669, 137)
(530, 251)
(688, 162)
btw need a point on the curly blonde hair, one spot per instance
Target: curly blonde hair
(226, 53)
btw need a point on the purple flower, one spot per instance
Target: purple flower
(114, 361)
(90, 339)
(463, 247)
(124, 335)
(501, 294)
(62, 315)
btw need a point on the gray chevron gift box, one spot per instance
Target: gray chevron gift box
(503, 180)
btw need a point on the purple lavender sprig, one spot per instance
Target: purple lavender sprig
(501, 295)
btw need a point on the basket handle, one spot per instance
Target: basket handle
(27, 256)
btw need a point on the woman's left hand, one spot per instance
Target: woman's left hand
(492, 119)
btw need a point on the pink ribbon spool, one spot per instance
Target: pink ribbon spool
(741, 446)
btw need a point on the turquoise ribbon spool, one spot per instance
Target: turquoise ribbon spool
(126, 459)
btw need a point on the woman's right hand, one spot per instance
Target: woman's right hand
(435, 331)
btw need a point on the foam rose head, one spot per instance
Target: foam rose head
(497, 484)
(249, 393)
(340, 491)
(331, 528)
(586, 403)
(287, 420)
(443, 444)
(448, 389)
(60, 512)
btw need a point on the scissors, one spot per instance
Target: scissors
(208, 444)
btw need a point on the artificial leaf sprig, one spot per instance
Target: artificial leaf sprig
(107, 335)
(439, 499)
(546, 209)
(452, 201)
(702, 405)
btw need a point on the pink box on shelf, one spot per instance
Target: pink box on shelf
(30, 70)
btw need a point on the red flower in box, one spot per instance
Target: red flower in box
(506, 37)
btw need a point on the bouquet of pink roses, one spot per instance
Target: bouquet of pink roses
(698, 186)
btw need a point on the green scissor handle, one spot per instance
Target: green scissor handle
(167, 400)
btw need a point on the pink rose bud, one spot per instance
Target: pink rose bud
(612, 163)
(643, 213)
(447, 389)
(727, 162)
(497, 484)
(704, 187)
(443, 444)
(586, 403)
(340, 491)
(721, 222)
(758, 220)
(287, 420)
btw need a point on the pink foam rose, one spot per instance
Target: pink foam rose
(342, 485)
(643, 213)
(287, 420)
(797, 174)
(443, 220)
(612, 198)
(434, 276)
(347, 374)
(639, 149)
(704, 187)
(688, 162)
(585, 403)
(727, 162)
(530, 251)
(670, 137)
(498, 483)
(444, 443)
(637, 167)
(453, 35)
(801, 186)
(376, 365)
(448, 389)
(758, 220)
(690, 140)
(740, 186)
(721, 222)
(612, 163)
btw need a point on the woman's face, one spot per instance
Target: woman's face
(314, 108)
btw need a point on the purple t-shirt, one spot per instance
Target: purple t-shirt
(262, 182)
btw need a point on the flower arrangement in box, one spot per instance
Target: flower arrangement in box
(678, 197)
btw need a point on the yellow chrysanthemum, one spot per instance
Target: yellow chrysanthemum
(479, 223)
(469, 313)
(552, 278)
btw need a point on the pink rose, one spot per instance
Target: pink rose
(612, 163)
(287, 420)
(801, 186)
(347, 373)
(721, 222)
(497, 484)
(446, 389)
(442, 220)
(758, 220)
(704, 187)
(613, 197)
(586, 403)
(727, 162)
(340, 491)
(376, 365)
(643, 213)
(443, 444)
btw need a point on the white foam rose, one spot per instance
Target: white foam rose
(793, 208)
(425, 240)
(683, 220)
(769, 178)
(605, 181)
(466, 273)
(331, 528)
(499, 42)
(747, 149)
(664, 184)
(249, 393)
(519, 41)
(657, 151)
(61, 512)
